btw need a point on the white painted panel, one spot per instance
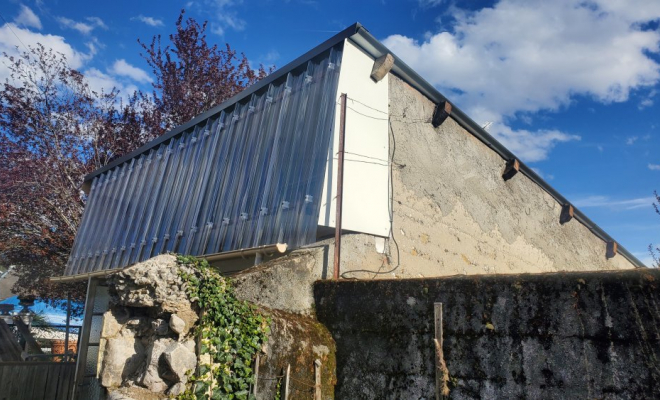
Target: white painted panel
(366, 171)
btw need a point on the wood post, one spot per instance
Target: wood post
(382, 66)
(441, 372)
(340, 186)
(317, 380)
(256, 375)
(567, 213)
(612, 249)
(511, 169)
(286, 382)
(442, 111)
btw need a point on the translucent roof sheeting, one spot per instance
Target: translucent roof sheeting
(249, 175)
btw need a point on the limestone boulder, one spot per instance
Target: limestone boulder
(179, 359)
(151, 379)
(155, 283)
(123, 355)
(178, 325)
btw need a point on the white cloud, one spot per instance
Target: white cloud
(547, 177)
(223, 15)
(524, 56)
(605, 201)
(122, 68)
(102, 82)
(648, 100)
(9, 44)
(654, 167)
(148, 20)
(83, 27)
(631, 140)
(529, 146)
(28, 18)
(430, 3)
(97, 22)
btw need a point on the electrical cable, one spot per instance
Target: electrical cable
(391, 213)
(12, 31)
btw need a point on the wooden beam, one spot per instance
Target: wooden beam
(317, 380)
(441, 372)
(9, 348)
(32, 344)
(286, 382)
(567, 213)
(382, 66)
(612, 249)
(442, 111)
(511, 169)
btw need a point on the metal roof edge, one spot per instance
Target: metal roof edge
(281, 72)
(375, 49)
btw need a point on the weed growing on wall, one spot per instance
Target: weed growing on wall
(230, 331)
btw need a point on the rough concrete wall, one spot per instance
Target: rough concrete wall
(454, 214)
(286, 283)
(539, 336)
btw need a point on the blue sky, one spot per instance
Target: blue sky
(571, 86)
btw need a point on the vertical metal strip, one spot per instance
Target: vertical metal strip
(340, 185)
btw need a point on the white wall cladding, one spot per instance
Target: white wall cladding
(365, 206)
(250, 175)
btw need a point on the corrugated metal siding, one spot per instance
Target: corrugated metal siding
(247, 176)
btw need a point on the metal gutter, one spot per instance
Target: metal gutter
(244, 95)
(376, 49)
(88, 275)
(278, 248)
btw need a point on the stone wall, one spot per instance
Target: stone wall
(563, 335)
(148, 341)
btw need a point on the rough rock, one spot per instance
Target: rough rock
(122, 356)
(117, 395)
(154, 283)
(160, 327)
(177, 389)
(179, 360)
(178, 325)
(151, 378)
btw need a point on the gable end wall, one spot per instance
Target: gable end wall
(454, 214)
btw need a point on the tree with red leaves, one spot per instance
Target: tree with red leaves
(191, 76)
(54, 129)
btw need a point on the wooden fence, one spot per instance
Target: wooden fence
(36, 380)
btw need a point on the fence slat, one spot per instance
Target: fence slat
(36, 380)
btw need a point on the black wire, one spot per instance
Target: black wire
(375, 109)
(12, 31)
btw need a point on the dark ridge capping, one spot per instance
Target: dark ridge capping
(228, 104)
(373, 47)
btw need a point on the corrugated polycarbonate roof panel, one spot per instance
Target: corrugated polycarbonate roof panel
(249, 175)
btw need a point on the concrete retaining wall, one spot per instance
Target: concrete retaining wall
(566, 335)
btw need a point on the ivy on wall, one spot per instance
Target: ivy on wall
(231, 331)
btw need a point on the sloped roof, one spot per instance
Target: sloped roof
(359, 35)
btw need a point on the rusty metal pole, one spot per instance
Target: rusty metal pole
(340, 185)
